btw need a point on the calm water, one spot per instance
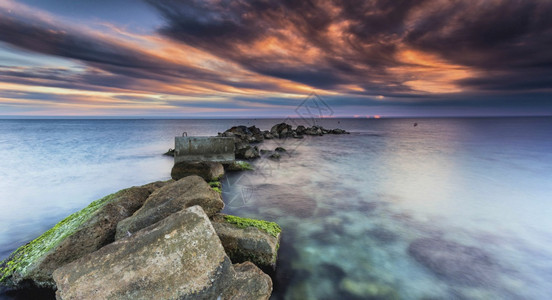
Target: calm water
(350, 205)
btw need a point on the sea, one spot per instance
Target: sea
(426, 208)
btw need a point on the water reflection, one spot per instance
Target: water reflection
(401, 215)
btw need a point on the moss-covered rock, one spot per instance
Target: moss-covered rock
(238, 166)
(248, 239)
(80, 233)
(269, 227)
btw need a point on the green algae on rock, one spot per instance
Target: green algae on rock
(269, 227)
(26, 254)
(248, 240)
(81, 233)
(238, 166)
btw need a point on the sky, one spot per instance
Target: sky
(267, 58)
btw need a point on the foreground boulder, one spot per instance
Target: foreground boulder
(77, 235)
(179, 257)
(248, 240)
(171, 198)
(454, 261)
(207, 170)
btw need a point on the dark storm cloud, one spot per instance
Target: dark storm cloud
(511, 41)
(512, 37)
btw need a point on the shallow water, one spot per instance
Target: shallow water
(350, 205)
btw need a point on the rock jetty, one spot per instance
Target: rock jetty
(245, 137)
(164, 240)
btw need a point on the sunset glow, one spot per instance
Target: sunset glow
(263, 60)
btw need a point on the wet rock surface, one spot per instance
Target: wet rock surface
(454, 261)
(207, 170)
(171, 198)
(180, 257)
(247, 244)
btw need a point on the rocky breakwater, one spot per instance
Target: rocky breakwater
(164, 240)
(245, 137)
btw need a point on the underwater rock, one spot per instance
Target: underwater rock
(207, 170)
(382, 235)
(77, 235)
(367, 290)
(280, 149)
(171, 198)
(454, 261)
(297, 205)
(180, 257)
(248, 240)
(275, 156)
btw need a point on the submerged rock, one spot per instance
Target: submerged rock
(367, 290)
(275, 156)
(207, 170)
(454, 261)
(171, 198)
(77, 235)
(248, 240)
(180, 257)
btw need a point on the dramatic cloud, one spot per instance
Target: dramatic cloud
(261, 54)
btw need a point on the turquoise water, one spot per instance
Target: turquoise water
(352, 207)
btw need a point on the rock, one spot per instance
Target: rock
(248, 152)
(77, 235)
(151, 187)
(300, 129)
(247, 240)
(367, 290)
(275, 156)
(314, 130)
(281, 130)
(180, 257)
(249, 283)
(338, 131)
(239, 131)
(264, 151)
(171, 198)
(238, 166)
(454, 261)
(280, 149)
(267, 135)
(207, 170)
(170, 152)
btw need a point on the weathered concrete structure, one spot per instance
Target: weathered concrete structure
(203, 148)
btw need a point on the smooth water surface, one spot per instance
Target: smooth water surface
(354, 208)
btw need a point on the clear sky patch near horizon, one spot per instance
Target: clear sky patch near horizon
(262, 58)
